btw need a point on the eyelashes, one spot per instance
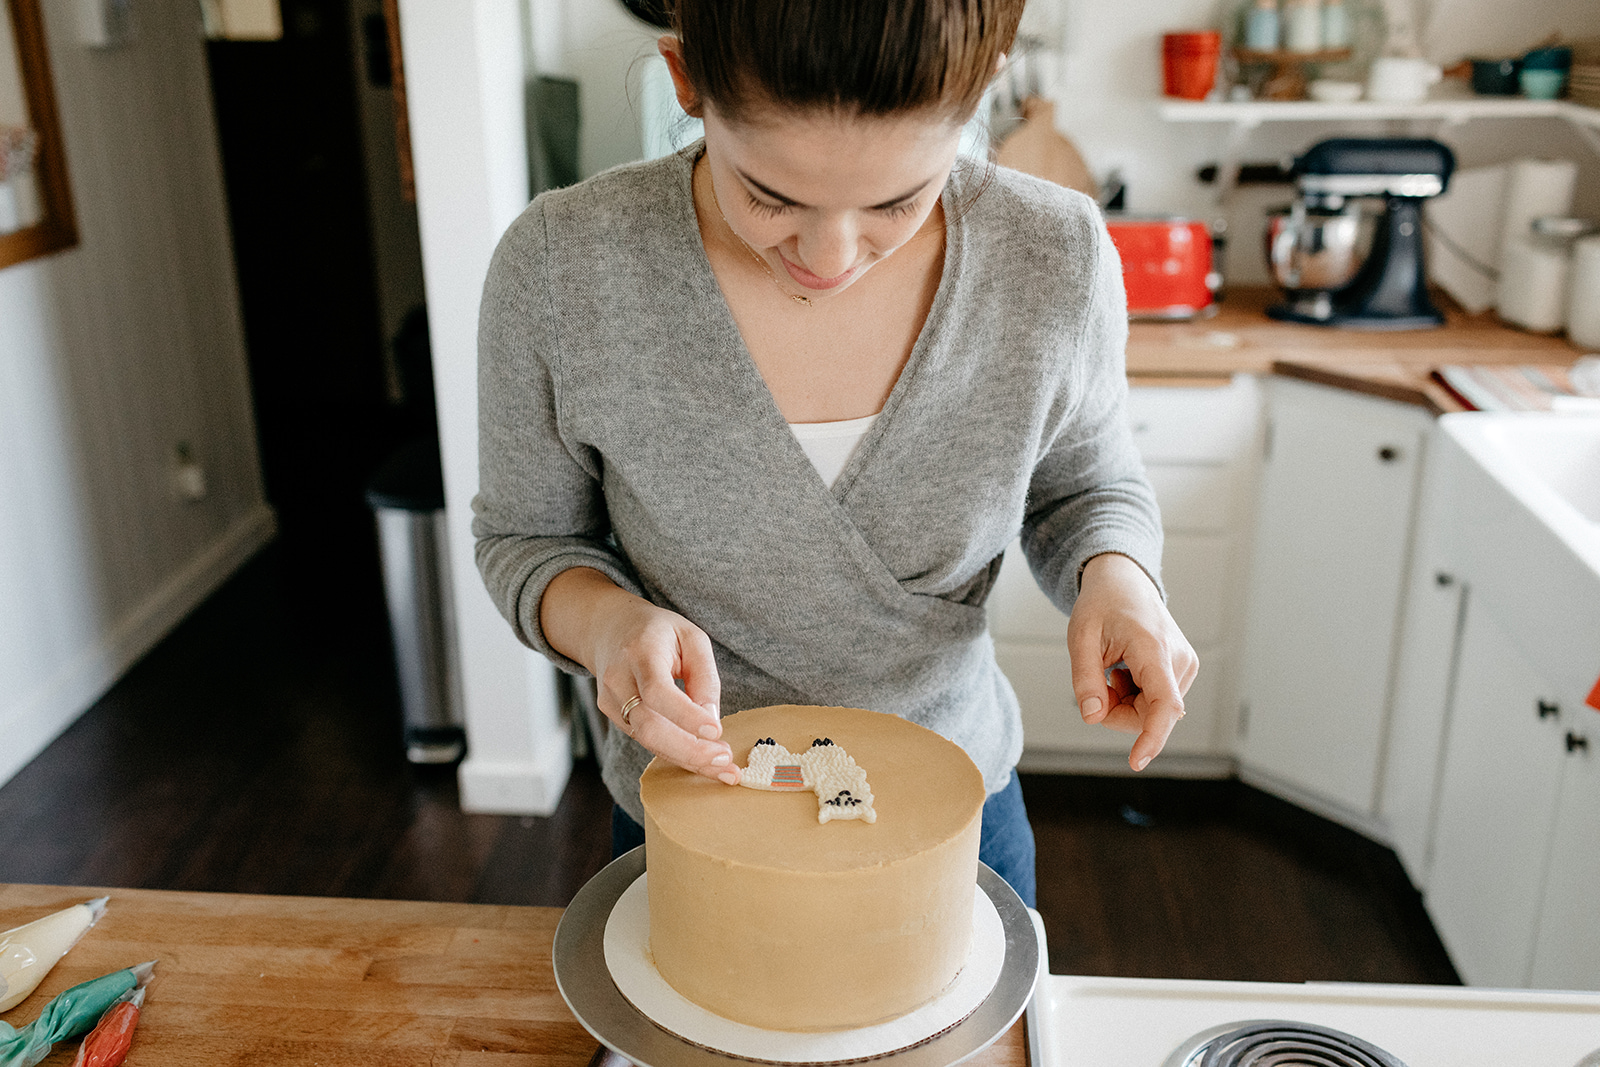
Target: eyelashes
(766, 210)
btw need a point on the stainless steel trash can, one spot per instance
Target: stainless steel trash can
(407, 499)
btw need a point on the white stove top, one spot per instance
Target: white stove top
(1138, 1022)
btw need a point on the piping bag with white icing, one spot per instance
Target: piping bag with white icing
(28, 952)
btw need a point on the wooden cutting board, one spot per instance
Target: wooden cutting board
(316, 982)
(1038, 148)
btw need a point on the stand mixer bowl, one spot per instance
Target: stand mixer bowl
(1316, 250)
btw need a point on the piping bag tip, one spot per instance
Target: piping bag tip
(143, 971)
(97, 908)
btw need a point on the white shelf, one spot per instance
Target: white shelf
(1245, 116)
(1449, 109)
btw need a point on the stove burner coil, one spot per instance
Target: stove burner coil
(1276, 1043)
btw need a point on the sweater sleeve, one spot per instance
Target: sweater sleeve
(1088, 494)
(540, 509)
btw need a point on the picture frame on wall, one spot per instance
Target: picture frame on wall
(36, 213)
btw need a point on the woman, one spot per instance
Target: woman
(759, 419)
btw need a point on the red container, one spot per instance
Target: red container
(1189, 63)
(1166, 265)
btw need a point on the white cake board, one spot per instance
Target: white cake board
(627, 954)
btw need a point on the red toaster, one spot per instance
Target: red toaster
(1167, 265)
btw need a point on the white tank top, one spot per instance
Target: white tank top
(829, 445)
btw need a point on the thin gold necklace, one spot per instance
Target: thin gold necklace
(711, 185)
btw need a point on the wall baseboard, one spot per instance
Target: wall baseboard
(1369, 826)
(39, 717)
(521, 788)
(1170, 765)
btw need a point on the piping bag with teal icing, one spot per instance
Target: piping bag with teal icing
(28, 952)
(71, 1014)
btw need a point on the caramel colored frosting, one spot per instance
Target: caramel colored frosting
(763, 915)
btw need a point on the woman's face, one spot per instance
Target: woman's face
(822, 197)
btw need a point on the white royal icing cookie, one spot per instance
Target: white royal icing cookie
(824, 768)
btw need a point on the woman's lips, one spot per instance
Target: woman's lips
(811, 281)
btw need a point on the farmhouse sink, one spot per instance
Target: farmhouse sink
(1559, 452)
(1522, 500)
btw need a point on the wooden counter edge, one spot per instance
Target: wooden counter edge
(1414, 390)
(523, 1022)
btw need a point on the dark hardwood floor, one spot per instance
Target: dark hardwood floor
(257, 750)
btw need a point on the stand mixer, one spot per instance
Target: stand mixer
(1315, 245)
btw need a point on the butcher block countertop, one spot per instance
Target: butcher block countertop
(1240, 339)
(315, 982)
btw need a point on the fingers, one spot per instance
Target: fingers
(667, 720)
(1088, 673)
(700, 679)
(1159, 703)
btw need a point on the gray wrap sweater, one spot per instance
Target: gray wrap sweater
(624, 427)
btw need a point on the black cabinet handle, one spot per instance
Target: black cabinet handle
(1548, 710)
(1389, 453)
(1444, 579)
(1576, 742)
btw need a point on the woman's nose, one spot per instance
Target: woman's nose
(829, 248)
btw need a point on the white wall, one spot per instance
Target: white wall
(597, 43)
(110, 354)
(464, 80)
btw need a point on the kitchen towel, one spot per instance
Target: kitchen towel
(1463, 232)
(1534, 187)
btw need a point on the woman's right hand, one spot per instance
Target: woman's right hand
(634, 648)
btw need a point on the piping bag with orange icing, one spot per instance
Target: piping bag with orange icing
(71, 1014)
(28, 952)
(108, 1043)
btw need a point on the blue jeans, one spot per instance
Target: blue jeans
(1005, 842)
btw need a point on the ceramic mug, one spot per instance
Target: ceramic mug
(1401, 79)
(1495, 77)
(1542, 84)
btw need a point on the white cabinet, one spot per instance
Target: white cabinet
(1331, 553)
(1566, 953)
(1497, 799)
(1427, 660)
(1199, 446)
(1516, 850)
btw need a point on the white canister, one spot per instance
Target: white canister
(1401, 79)
(10, 208)
(1583, 294)
(1533, 283)
(1302, 25)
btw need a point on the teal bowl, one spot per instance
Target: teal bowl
(1542, 84)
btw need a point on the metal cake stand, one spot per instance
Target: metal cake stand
(626, 1033)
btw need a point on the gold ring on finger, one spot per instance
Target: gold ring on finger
(627, 711)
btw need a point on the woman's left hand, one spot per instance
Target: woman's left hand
(1119, 616)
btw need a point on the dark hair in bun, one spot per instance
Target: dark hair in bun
(866, 57)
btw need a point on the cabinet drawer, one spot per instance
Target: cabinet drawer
(1017, 607)
(1194, 497)
(1194, 568)
(1193, 425)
